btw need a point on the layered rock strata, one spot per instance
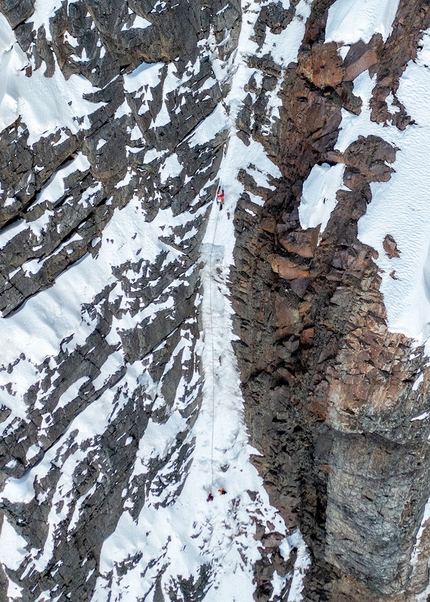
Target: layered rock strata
(328, 388)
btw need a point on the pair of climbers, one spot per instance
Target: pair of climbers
(221, 491)
(220, 197)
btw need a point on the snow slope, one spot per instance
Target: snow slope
(349, 22)
(399, 207)
(177, 446)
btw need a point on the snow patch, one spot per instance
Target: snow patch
(349, 22)
(421, 416)
(418, 382)
(171, 168)
(141, 23)
(146, 73)
(319, 195)
(14, 544)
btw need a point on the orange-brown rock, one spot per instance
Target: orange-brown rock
(287, 318)
(362, 56)
(342, 455)
(400, 48)
(322, 65)
(390, 247)
(367, 60)
(286, 268)
(301, 243)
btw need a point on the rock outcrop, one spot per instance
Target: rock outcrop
(328, 388)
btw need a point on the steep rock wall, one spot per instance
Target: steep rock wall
(328, 389)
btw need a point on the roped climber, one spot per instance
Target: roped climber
(220, 197)
(210, 497)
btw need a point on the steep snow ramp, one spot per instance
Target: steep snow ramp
(400, 208)
(349, 22)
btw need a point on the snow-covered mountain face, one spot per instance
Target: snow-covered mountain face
(120, 401)
(148, 332)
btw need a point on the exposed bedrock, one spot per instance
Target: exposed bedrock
(328, 388)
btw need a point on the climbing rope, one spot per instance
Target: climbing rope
(213, 351)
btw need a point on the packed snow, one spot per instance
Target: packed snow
(349, 22)
(44, 104)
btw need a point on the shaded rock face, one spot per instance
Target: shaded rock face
(328, 388)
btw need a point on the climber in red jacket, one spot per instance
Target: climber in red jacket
(220, 197)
